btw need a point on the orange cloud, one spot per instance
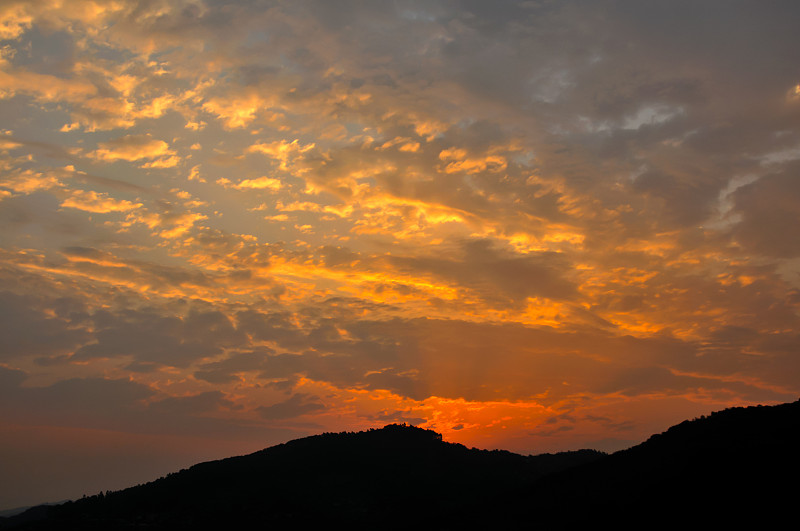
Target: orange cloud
(259, 183)
(28, 181)
(14, 21)
(180, 224)
(406, 144)
(44, 87)
(133, 148)
(90, 201)
(458, 161)
(237, 112)
(287, 153)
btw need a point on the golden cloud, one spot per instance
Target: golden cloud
(45, 87)
(14, 21)
(136, 147)
(90, 201)
(285, 152)
(458, 161)
(180, 224)
(259, 183)
(28, 181)
(237, 112)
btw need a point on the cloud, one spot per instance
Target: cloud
(30, 328)
(290, 155)
(120, 405)
(45, 87)
(29, 181)
(179, 224)
(183, 406)
(457, 160)
(229, 369)
(497, 276)
(421, 358)
(260, 183)
(11, 378)
(237, 111)
(297, 405)
(14, 21)
(86, 402)
(168, 340)
(172, 220)
(97, 203)
(767, 208)
(133, 148)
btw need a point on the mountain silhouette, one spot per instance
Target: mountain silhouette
(735, 466)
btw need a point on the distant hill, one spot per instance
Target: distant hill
(719, 469)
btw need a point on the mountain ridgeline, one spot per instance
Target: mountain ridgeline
(738, 466)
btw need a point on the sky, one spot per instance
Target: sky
(529, 225)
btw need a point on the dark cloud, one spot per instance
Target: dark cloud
(337, 256)
(769, 208)
(497, 276)
(84, 252)
(297, 405)
(397, 417)
(276, 326)
(182, 406)
(220, 372)
(150, 336)
(11, 378)
(86, 402)
(680, 201)
(36, 211)
(29, 330)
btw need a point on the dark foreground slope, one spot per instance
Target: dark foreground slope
(723, 469)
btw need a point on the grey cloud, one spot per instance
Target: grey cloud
(180, 406)
(149, 336)
(498, 277)
(27, 329)
(84, 252)
(337, 256)
(276, 326)
(399, 417)
(39, 209)
(11, 378)
(297, 405)
(89, 402)
(55, 151)
(125, 406)
(220, 372)
(770, 210)
(686, 200)
(411, 384)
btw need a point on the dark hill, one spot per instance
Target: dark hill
(735, 467)
(723, 469)
(381, 479)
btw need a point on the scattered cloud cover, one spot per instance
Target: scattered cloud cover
(528, 225)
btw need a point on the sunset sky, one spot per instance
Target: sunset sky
(534, 225)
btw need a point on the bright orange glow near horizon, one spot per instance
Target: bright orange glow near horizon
(531, 226)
